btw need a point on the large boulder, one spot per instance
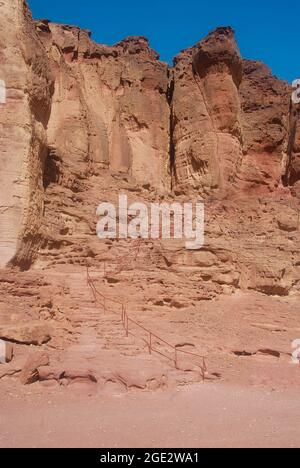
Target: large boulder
(32, 333)
(30, 372)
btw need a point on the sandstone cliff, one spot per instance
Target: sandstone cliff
(214, 125)
(230, 120)
(23, 120)
(82, 122)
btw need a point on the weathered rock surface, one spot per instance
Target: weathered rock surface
(231, 120)
(206, 114)
(30, 373)
(25, 71)
(10, 370)
(83, 122)
(109, 109)
(33, 333)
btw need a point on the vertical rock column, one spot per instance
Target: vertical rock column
(292, 176)
(24, 113)
(206, 114)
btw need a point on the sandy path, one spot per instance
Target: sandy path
(200, 416)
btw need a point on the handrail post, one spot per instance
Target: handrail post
(204, 369)
(87, 275)
(176, 359)
(127, 321)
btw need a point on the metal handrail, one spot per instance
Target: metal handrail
(126, 320)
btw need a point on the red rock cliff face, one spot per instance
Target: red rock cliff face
(206, 114)
(292, 176)
(25, 72)
(84, 121)
(110, 105)
(230, 120)
(265, 103)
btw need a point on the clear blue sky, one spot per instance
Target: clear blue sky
(266, 30)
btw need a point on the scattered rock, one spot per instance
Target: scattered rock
(9, 370)
(269, 352)
(158, 302)
(65, 376)
(178, 305)
(79, 374)
(50, 373)
(33, 333)
(259, 352)
(288, 221)
(112, 280)
(30, 373)
(243, 353)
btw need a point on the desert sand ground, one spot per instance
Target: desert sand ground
(250, 397)
(208, 415)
